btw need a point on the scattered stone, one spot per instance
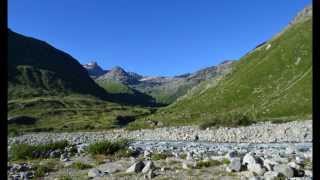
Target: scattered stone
(151, 174)
(271, 175)
(235, 165)
(95, 173)
(284, 170)
(256, 168)
(148, 166)
(146, 154)
(231, 154)
(189, 156)
(136, 167)
(300, 160)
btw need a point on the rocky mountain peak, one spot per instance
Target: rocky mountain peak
(304, 14)
(94, 70)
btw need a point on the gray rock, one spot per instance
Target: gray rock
(148, 166)
(111, 167)
(300, 160)
(189, 156)
(151, 174)
(235, 165)
(294, 165)
(256, 168)
(95, 173)
(269, 164)
(249, 158)
(146, 154)
(284, 170)
(231, 154)
(136, 167)
(308, 173)
(271, 175)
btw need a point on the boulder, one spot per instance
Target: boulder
(249, 158)
(136, 167)
(148, 166)
(146, 154)
(300, 160)
(235, 165)
(94, 173)
(269, 164)
(256, 168)
(271, 175)
(189, 156)
(231, 154)
(284, 170)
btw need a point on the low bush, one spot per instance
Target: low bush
(40, 171)
(232, 119)
(26, 151)
(108, 147)
(81, 166)
(204, 164)
(159, 156)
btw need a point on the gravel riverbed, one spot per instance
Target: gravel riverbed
(297, 131)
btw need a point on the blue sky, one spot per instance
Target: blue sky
(153, 37)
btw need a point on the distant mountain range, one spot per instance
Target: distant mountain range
(164, 90)
(271, 82)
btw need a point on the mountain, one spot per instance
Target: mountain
(120, 75)
(164, 90)
(35, 68)
(52, 89)
(94, 69)
(271, 82)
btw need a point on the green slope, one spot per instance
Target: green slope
(52, 87)
(37, 69)
(273, 81)
(124, 93)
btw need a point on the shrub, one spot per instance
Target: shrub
(26, 151)
(81, 166)
(225, 161)
(159, 156)
(65, 177)
(40, 171)
(202, 164)
(107, 147)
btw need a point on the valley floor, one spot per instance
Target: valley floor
(260, 151)
(265, 132)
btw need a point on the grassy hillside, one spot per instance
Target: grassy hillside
(273, 81)
(52, 87)
(124, 93)
(70, 113)
(37, 69)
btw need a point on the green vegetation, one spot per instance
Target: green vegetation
(26, 151)
(81, 166)
(40, 171)
(225, 161)
(37, 69)
(70, 113)
(123, 93)
(65, 177)
(209, 163)
(108, 147)
(272, 82)
(159, 156)
(232, 120)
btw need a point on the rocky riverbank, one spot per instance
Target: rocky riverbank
(297, 131)
(261, 151)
